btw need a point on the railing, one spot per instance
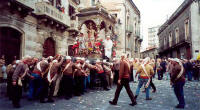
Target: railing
(181, 40)
(43, 8)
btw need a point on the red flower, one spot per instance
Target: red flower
(97, 43)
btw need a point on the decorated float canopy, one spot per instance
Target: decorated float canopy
(95, 23)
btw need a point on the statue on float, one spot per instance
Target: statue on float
(89, 42)
(108, 44)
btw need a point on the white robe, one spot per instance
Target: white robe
(108, 44)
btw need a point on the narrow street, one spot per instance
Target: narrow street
(163, 99)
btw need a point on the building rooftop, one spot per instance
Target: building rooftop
(180, 9)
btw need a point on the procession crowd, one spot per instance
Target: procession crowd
(65, 76)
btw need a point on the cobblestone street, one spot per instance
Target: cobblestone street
(163, 99)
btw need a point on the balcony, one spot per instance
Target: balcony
(50, 13)
(20, 6)
(73, 30)
(73, 26)
(181, 41)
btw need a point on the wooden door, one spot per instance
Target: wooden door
(10, 42)
(188, 50)
(49, 47)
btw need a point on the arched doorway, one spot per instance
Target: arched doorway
(10, 43)
(49, 47)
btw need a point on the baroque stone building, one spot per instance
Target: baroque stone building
(127, 26)
(32, 27)
(44, 28)
(179, 36)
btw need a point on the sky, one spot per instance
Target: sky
(153, 13)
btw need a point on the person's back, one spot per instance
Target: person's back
(149, 71)
(163, 65)
(175, 72)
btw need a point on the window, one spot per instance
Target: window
(170, 39)
(187, 29)
(93, 2)
(177, 34)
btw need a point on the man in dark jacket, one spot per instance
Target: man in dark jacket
(123, 81)
(178, 81)
(19, 73)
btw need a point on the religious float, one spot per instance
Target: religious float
(95, 24)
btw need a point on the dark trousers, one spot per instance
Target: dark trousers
(131, 75)
(47, 90)
(116, 76)
(178, 90)
(79, 85)
(16, 94)
(102, 77)
(9, 87)
(67, 85)
(44, 90)
(25, 83)
(196, 74)
(189, 75)
(51, 89)
(152, 85)
(124, 83)
(160, 75)
(92, 78)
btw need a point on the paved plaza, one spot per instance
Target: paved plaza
(163, 99)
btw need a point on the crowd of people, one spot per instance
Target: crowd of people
(56, 76)
(65, 76)
(175, 69)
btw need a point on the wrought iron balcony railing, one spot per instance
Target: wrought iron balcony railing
(43, 8)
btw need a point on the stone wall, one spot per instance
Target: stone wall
(195, 30)
(26, 28)
(34, 35)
